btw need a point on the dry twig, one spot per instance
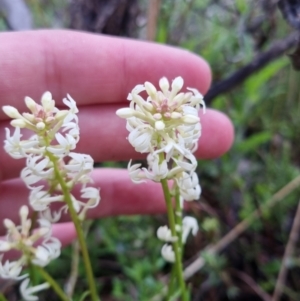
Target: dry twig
(254, 286)
(153, 11)
(241, 227)
(288, 252)
(277, 49)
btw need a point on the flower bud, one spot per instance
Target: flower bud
(148, 106)
(157, 116)
(4, 246)
(125, 113)
(29, 117)
(177, 84)
(47, 101)
(151, 90)
(164, 84)
(159, 125)
(18, 123)
(30, 104)
(8, 223)
(176, 115)
(40, 126)
(24, 211)
(190, 119)
(11, 112)
(61, 115)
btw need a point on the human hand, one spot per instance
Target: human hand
(98, 72)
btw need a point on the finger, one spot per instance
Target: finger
(103, 136)
(119, 196)
(93, 69)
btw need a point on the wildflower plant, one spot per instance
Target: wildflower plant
(166, 126)
(52, 172)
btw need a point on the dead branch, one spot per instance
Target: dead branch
(276, 50)
(289, 250)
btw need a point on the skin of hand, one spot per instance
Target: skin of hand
(98, 72)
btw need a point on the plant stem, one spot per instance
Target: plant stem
(52, 283)
(288, 253)
(178, 219)
(178, 264)
(172, 283)
(77, 224)
(32, 274)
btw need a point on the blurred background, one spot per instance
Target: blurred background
(248, 210)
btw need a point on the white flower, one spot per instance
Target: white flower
(40, 199)
(65, 144)
(70, 102)
(21, 239)
(167, 253)
(171, 147)
(137, 89)
(27, 291)
(188, 166)
(47, 251)
(164, 233)
(189, 186)
(157, 170)
(93, 196)
(4, 246)
(189, 224)
(135, 173)
(80, 163)
(141, 137)
(15, 147)
(47, 102)
(162, 112)
(197, 99)
(49, 216)
(12, 269)
(37, 168)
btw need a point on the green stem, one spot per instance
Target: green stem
(77, 224)
(32, 274)
(172, 283)
(178, 219)
(178, 263)
(52, 283)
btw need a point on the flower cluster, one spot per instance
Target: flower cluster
(52, 168)
(22, 239)
(166, 125)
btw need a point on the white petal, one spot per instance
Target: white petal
(177, 84)
(164, 233)
(168, 253)
(164, 84)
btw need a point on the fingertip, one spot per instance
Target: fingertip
(217, 135)
(65, 232)
(202, 79)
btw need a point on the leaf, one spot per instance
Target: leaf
(84, 295)
(254, 141)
